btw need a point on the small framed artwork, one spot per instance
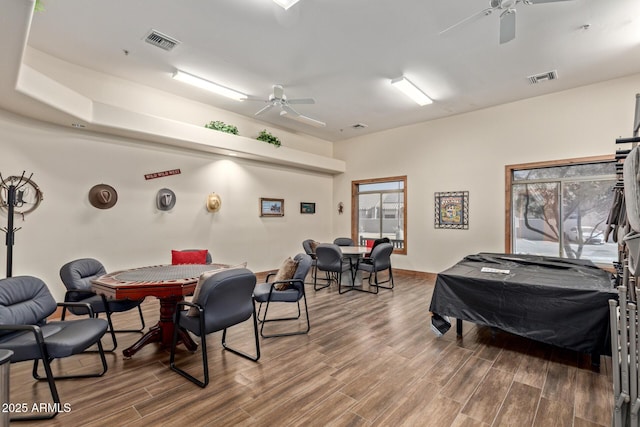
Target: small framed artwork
(307, 208)
(271, 207)
(452, 210)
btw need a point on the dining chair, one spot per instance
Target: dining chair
(333, 263)
(309, 247)
(25, 304)
(375, 243)
(288, 290)
(225, 299)
(343, 241)
(76, 276)
(378, 261)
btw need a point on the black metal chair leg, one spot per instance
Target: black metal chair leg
(142, 324)
(315, 281)
(50, 378)
(353, 286)
(52, 388)
(203, 347)
(285, 334)
(238, 352)
(378, 284)
(264, 316)
(103, 360)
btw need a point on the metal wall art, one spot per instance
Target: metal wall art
(452, 210)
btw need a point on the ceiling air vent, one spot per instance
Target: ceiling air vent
(163, 41)
(550, 75)
(359, 126)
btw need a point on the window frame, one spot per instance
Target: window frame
(355, 211)
(509, 169)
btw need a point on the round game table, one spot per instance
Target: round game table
(169, 283)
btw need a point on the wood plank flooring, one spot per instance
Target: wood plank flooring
(369, 360)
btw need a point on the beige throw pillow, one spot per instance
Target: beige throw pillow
(203, 278)
(285, 272)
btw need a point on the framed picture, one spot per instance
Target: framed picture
(307, 208)
(452, 210)
(271, 207)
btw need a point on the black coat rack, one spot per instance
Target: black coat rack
(14, 199)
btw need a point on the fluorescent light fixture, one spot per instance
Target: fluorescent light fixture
(207, 85)
(285, 4)
(303, 119)
(411, 91)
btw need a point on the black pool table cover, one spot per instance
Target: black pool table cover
(558, 301)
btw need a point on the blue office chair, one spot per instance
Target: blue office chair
(333, 263)
(76, 276)
(293, 293)
(343, 241)
(25, 304)
(378, 261)
(225, 299)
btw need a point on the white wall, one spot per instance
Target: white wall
(465, 152)
(67, 163)
(469, 152)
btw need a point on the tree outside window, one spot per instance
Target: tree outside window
(561, 209)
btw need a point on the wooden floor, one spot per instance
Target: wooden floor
(369, 360)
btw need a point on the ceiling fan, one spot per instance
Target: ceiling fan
(279, 99)
(507, 11)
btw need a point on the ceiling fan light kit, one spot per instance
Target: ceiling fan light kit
(411, 90)
(285, 4)
(208, 85)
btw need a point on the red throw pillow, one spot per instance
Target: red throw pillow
(189, 257)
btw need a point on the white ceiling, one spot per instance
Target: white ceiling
(344, 53)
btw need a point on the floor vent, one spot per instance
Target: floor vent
(163, 41)
(550, 75)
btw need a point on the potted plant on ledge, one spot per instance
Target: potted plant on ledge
(222, 127)
(268, 138)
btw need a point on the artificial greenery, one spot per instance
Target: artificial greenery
(222, 127)
(38, 7)
(267, 137)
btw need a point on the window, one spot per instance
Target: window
(379, 210)
(561, 208)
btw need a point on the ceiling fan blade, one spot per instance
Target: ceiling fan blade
(303, 119)
(255, 98)
(310, 121)
(265, 108)
(507, 26)
(301, 101)
(473, 17)
(278, 91)
(289, 110)
(544, 1)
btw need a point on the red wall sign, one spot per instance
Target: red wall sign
(162, 174)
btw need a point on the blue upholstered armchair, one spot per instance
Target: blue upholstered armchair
(293, 292)
(378, 261)
(333, 263)
(224, 299)
(25, 304)
(76, 276)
